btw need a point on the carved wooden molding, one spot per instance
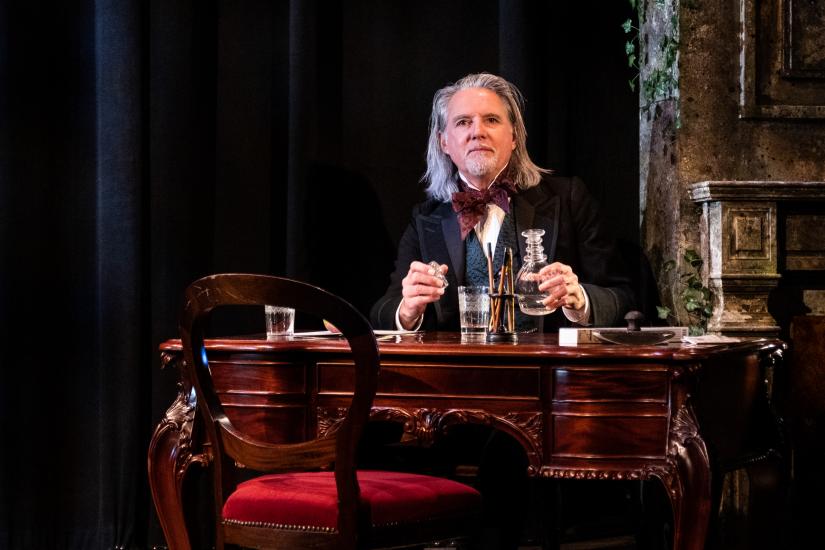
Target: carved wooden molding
(684, 429)
(167, 359)
(329, 420)
(581, 473)
(180, 417)
(426, 425)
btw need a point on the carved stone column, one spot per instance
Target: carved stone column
(740, 246)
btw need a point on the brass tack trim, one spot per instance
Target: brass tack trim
(319, 529)
(282, 526)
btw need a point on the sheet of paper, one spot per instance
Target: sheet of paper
(316, 333)
(709, 339)
(323, 333)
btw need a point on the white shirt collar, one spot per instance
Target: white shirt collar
(460, 175)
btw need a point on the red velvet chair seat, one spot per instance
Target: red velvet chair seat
(307, 501)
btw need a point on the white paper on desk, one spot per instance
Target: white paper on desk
(709, 339)
(316, 333)
(327, 333)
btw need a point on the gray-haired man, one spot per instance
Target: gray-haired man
(483, 188)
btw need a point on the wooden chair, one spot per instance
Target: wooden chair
(297, 503)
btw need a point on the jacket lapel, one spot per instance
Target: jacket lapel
(441, 241)
(455, 246)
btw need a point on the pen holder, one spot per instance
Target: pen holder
(502, 325)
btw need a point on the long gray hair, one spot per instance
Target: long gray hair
(442, 175)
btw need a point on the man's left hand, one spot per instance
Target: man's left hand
(562, 287)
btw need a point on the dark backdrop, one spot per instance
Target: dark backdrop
(145, 144)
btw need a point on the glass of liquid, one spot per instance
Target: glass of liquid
(530, 298)
(474, 311)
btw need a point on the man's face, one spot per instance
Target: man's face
(478, 136)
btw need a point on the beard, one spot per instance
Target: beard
(481, 164)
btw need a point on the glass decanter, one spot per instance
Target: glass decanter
(528, 279)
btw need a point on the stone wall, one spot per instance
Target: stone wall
(749, 106)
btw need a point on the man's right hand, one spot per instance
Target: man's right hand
(420, 287)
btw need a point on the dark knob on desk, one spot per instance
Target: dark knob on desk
(634, 320)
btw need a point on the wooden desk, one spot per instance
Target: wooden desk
(672, 413)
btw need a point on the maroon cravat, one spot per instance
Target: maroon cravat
(471, 204)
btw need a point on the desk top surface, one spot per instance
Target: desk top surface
(450, 343)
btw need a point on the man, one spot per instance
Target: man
(483, 188)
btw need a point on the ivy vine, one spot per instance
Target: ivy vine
(697, 299)
(660, 84)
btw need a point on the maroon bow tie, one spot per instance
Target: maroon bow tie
(471, 204)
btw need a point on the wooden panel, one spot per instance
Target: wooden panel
(609, 436)
(610, 385)
(269, 423)
(444, 381)
(258, 376)
(265, 399)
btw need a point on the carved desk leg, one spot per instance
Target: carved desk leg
(170, 455)
(688, 481)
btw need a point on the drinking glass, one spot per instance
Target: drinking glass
(474, 311)
(280, 322)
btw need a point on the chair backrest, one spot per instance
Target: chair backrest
(208, 293)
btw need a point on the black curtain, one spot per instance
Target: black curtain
(145, 144)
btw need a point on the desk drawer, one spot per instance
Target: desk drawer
(258, 377)
(439, 380)
(609, 436)
(267, 422)
(603, 385)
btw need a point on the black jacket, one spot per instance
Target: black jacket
(573, 235)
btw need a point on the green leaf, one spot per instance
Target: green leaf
(696, 330)
(662, 312)
(694, 282)
(627, 26)
(629, 47)
(692, 295)
(691, 306)
(707, 294)
(632, 84)
(632, 4)
(670, 264)
(707, 312)
(631, 59)
(692, 258)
